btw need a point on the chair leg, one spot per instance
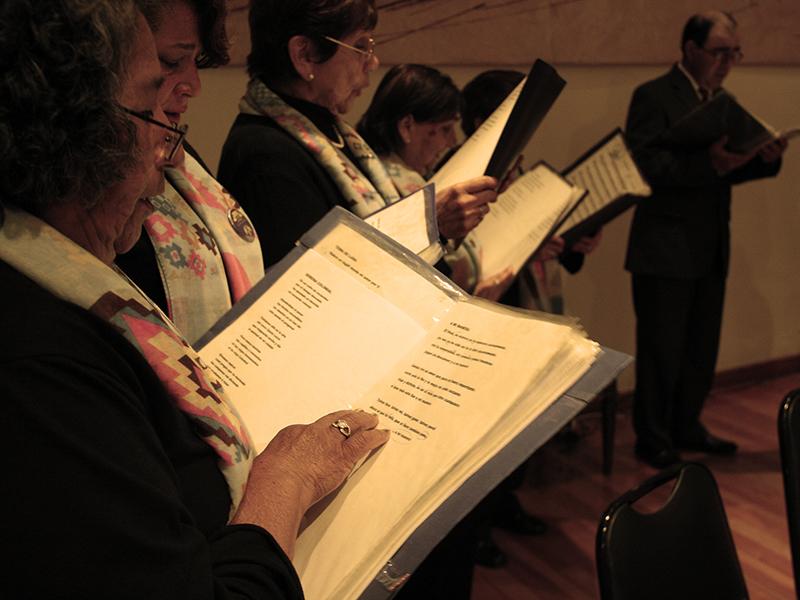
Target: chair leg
(609, 408)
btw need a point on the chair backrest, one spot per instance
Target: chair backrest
(683, 550)
(789, 436)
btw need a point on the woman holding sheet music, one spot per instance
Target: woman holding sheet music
(127, 473)
(410, 123)
(289, 157)
(538, 285)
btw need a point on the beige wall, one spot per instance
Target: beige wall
(761, 315)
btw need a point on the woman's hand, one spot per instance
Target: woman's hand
(551, 249)
(459, 208)
(493, 288)
(302, 465)
(587, 244)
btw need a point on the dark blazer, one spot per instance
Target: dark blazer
(682, 230)
(278, 182)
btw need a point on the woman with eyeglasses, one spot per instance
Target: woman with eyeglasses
(199, 252)
(126, 472)
(289, 157)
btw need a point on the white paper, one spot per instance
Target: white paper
(608, 173)
(472, 158)
(520, 220)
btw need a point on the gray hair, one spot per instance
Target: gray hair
(63, 136)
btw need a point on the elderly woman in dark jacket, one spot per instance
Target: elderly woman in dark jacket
(127, 474)
(289, 157)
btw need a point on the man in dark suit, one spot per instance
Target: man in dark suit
(678, 249)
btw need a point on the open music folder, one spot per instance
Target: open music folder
(352, 319)
(720, 116)
(497, 143)
(411, 222)
(614, 183)
(521, 220)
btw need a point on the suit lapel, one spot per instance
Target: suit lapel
(683, 92)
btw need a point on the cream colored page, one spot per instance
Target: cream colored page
(520, 220)
(562, 371)
(607, 174)
(321, 336)
(455, 387)
(474, 155)
(405, 222)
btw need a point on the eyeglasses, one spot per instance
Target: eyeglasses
(366, 53)
(172, 140)
(733, 55)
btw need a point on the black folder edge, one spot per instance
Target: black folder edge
(539, 92)
(336, 216)
(590, 225)
(414, 550)
(602, 142)
(432, 229)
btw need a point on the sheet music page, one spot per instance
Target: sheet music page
(406, 221)
(323, 334)
(607, 174)
(520, 220)
(451, 391)
(472, 158)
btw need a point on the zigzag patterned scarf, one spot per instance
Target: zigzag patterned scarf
(206, 248)
(71, 273)
(367, 187)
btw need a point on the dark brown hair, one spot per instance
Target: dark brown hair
(211, 16)
(426, 94)
(483, 94)
(699, 26)
(274, 22)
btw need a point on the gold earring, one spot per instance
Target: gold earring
(311, 77)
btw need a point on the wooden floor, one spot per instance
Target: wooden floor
(566, 488)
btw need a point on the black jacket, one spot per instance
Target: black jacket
(682, 230)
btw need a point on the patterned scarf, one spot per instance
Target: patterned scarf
(206, 248)
(405, 179)
(71, 273)
(367, 188)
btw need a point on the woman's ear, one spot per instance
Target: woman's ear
(405, 127)
(301, 53)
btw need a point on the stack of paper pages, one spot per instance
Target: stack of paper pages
(352, 319)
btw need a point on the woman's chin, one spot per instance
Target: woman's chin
(133, 228)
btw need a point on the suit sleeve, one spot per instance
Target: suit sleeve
(755, 169)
